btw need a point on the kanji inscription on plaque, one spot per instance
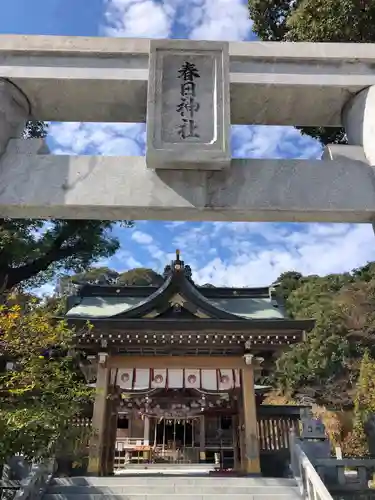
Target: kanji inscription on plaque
(188, 105)
(188, 122)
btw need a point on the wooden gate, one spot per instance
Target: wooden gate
(274, 424)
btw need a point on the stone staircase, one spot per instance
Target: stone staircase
(171, 487)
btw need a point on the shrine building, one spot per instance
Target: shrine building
(175, 369)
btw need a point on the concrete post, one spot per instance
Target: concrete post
(359, 122)
(14, 112)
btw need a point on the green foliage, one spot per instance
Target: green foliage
(100, 275)
(364, 404)
(44, 391)
(356, 443)
(35, 129)
(141, 277)
(327, 21)
(269, 18)
(315, 21)
(33, 251)
(286, 283)
(326, 135)
(326, 365)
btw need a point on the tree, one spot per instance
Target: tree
(97, 275)
(44, 391)
(357, 443)
(32, 251)
(104, 276)
(35, 129)
(286, 283)
(326, 366)
(315, 21)
(140, 277)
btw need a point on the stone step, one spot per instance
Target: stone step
(121, 492)
(265, 495)
(169, 466)
(160, 480)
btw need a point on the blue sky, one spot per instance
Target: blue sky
(234, 254)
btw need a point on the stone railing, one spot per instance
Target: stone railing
(351, 495)
(35, 484)
(8, 492)
(346, 474)
(310, 483)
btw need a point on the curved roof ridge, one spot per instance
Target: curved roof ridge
(147, 300)
(209, 305)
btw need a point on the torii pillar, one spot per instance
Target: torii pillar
(15, 110)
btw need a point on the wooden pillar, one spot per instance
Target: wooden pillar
(202, 439)
(241, 437)
(235, 434)
(110, 437)
(146, 437)
(96, 455)
(251, 462)
(146, 430)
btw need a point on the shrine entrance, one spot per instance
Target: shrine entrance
(175, 431)
(192, 420)
(174, 440)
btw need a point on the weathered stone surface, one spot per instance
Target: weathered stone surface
(123, 188)
(194, 485)
(359, 121)
(14, 111)
(188, 123)
(27, 147)
(344, 152)
(101, 79)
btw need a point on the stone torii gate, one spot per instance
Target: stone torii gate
(188, 93)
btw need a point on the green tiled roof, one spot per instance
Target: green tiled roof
(106, 307)
(103, 307)
(251, 308)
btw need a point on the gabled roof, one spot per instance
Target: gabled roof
(180, 318)
(177, 298)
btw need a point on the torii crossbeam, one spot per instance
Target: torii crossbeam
(187, 173)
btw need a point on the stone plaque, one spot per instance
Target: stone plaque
(188, 122)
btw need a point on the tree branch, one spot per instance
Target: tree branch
(55, 254)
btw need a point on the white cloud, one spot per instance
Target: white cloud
(158, 258)
(142, 18)
(175, 224)
(142, 238)
(125, 260)
(45, 290)
(256, 254)
(220, 20)
(109, 139)
(272, 142)
(199, 19)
